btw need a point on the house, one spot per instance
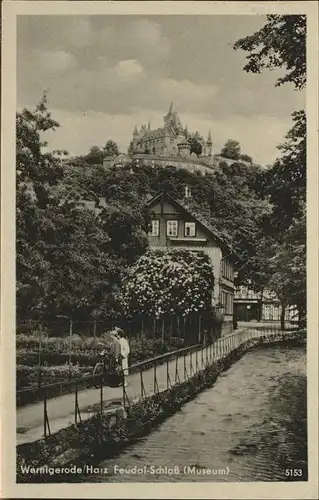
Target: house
(260, 306)
(175, 225)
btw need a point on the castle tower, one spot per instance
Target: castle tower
(209, 144)
(183, 146)
(135, 138)
(169, 117)
(149, 126)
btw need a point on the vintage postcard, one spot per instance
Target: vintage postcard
(159, 237)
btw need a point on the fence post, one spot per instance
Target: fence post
(199, 330)
(94, 330)
(40, 355)
(155, 380)
(46, 419)
(177, 380)
(101, 394)
(77, 409)
(142, 384)
(185, 371)
(163, 327)
(70, 349)
(167, 375)
(45, 413)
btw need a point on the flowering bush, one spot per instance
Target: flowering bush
(171, 282)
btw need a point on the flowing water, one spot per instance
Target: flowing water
(250, 426)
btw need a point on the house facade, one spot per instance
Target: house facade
(260, 306)
(174, 225)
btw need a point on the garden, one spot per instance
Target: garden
(58, 359)
(166, 305)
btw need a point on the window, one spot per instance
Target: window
(226, 300)
(229, 303)
(227, 269)
(190, 229)
(154, 228)
(172, 228)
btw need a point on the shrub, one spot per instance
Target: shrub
(29, 375)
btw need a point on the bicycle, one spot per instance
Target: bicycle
(102, 374)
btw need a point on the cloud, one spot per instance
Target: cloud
(58, 60)
(128, 69)
(79, 33)
(103, 74)
(122, 87)
(144, 39)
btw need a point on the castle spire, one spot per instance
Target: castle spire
(149, 126)
(170, 108)
(209, 139)
(135, 130)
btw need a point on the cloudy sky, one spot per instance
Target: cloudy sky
(104, 74)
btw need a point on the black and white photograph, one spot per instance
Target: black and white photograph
(161, 314)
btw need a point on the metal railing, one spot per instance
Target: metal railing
(184, 366)
(158, 374)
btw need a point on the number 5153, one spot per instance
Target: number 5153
(293, 472)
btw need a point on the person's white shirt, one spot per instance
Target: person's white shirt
(125, 347)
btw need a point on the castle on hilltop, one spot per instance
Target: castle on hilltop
(166, 146)
(169, 140)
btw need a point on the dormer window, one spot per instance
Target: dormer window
(190, 229)
(154, 228)
(172, 228)
(188, 192)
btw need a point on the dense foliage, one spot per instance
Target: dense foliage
(70, 257)
(281, 258)
(280, 43)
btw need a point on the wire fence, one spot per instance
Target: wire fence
(189, 328)
(149, 377)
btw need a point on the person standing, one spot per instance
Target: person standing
(115, 349)
(125, 351)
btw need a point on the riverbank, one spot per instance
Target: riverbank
(106, 435)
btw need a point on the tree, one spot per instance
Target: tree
(37, 171)
(172, 282)
(195, 141)
(95, 156)
(130, 150)
(126, 226)
(246, 158)
(288, 269)
(111, 149)
(81, 271)
(285, 182)
(231, 150)
(71, 255)
(280, 43)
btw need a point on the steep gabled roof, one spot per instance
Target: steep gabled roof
(198, 217)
